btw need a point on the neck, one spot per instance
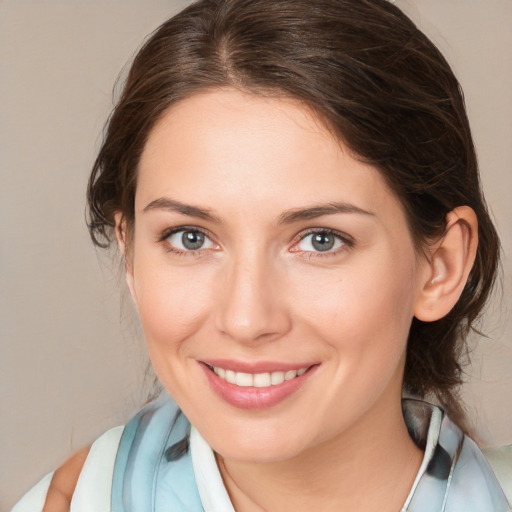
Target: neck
(364, 468)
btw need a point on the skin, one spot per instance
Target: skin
(259, 290)
(255, 292)
(64, 482)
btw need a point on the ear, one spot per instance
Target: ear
(122, 242)
(448, 267)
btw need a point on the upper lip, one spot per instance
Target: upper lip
(255, 366)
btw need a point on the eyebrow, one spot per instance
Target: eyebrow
(313, 212)
(288, 217)
(164, 203)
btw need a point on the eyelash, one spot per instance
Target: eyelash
(346, 241)
(178, 252)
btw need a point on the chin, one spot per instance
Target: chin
(255, 443)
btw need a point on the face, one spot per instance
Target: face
(274, 275)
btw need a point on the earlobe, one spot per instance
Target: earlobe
(120, 229)
(449, 265)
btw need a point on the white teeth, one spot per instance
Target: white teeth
(290, 374)
(243, 379)
(257, 380)
(276, 378)
(230, 376)
(262, 380)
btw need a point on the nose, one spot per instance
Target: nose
(252, 306)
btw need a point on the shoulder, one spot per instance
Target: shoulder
(475, 483)
(63, 482)
(84, 480)
(500, 459)
(93, 488)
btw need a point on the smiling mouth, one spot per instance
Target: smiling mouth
(257, 380)
(248, 386)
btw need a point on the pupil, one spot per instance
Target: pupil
(192, 240)
(323, 241)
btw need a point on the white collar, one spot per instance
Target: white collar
(212, 492)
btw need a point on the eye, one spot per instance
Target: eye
(321, 241)
(187, 240)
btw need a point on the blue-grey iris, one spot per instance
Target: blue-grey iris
(323, 241)
(192, 240)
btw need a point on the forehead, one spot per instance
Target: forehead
(225, 147)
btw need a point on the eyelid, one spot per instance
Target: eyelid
(347, 241)
(166, 233)
(164, 236)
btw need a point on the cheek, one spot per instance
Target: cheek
(365, 309)
(363, 319)
(172, 304)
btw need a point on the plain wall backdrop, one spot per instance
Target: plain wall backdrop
(72, 362)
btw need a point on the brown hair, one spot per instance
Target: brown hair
(378, 82)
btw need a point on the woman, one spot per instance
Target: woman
(295, 193)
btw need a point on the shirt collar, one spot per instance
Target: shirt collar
(212, 492)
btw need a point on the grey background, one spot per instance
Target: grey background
(72, 362)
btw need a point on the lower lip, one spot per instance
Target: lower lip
(255, 398)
